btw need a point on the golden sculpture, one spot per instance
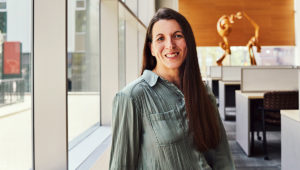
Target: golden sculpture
(224, 27)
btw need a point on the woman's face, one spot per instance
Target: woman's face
(168, 45)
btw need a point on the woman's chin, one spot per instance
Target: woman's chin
(174, 67)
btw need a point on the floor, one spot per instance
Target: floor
(255, 162)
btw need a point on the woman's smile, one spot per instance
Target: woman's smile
(172, 55)
(168, 45)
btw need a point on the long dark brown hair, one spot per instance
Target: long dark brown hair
(202, 114)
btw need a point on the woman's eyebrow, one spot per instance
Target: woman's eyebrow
(177, 32)
(158, 34)
(162, 34)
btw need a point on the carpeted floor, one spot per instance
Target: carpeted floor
(255, 162)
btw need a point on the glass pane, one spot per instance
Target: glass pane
(240, 56)
(81, 21)
(208, 56)
(122, 48)
(276, 56)
(280, 55)
(83, 71)
(3, 22)
(16, 87)
(130, 39)
(80, 42)
(80, 4)
(2, 5)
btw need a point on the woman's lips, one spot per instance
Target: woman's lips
(172, 55)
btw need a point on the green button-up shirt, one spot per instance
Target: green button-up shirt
(150, 130)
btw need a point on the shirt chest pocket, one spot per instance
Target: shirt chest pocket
(168, 127)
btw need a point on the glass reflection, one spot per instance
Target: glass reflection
(280, 55)
(83, 68)
(15, 84)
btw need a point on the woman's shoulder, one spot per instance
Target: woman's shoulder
(134, 89)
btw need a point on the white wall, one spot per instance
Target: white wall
(19, 22)
(141, 40)
(297, 31)
(131, 48)
(49, 82)
(109, 57)
(132, 5)
(147, 12)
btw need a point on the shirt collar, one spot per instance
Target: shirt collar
(150, 77)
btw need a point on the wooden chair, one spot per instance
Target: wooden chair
(273, 102)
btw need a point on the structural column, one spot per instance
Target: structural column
(49, 85)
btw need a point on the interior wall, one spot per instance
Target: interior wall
(109, 58)
(49, 104)
(297, 28)
(275, 18)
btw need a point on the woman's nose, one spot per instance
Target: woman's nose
(170, 43)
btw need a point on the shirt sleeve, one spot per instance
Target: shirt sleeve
(126, 129)
(219, 158)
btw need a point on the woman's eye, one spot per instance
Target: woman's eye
(178, 36)
(160, 38)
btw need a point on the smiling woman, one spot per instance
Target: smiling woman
(169, 48)
(167, 118)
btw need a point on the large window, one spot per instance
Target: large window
(15, 84)
(131, 43)
(269, 55)
(3, 17)
(122, 48)
(83, 69)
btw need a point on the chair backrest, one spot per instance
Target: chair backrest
(278, 100)
(274, 101)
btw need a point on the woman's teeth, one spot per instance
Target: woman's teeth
(172, 55)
